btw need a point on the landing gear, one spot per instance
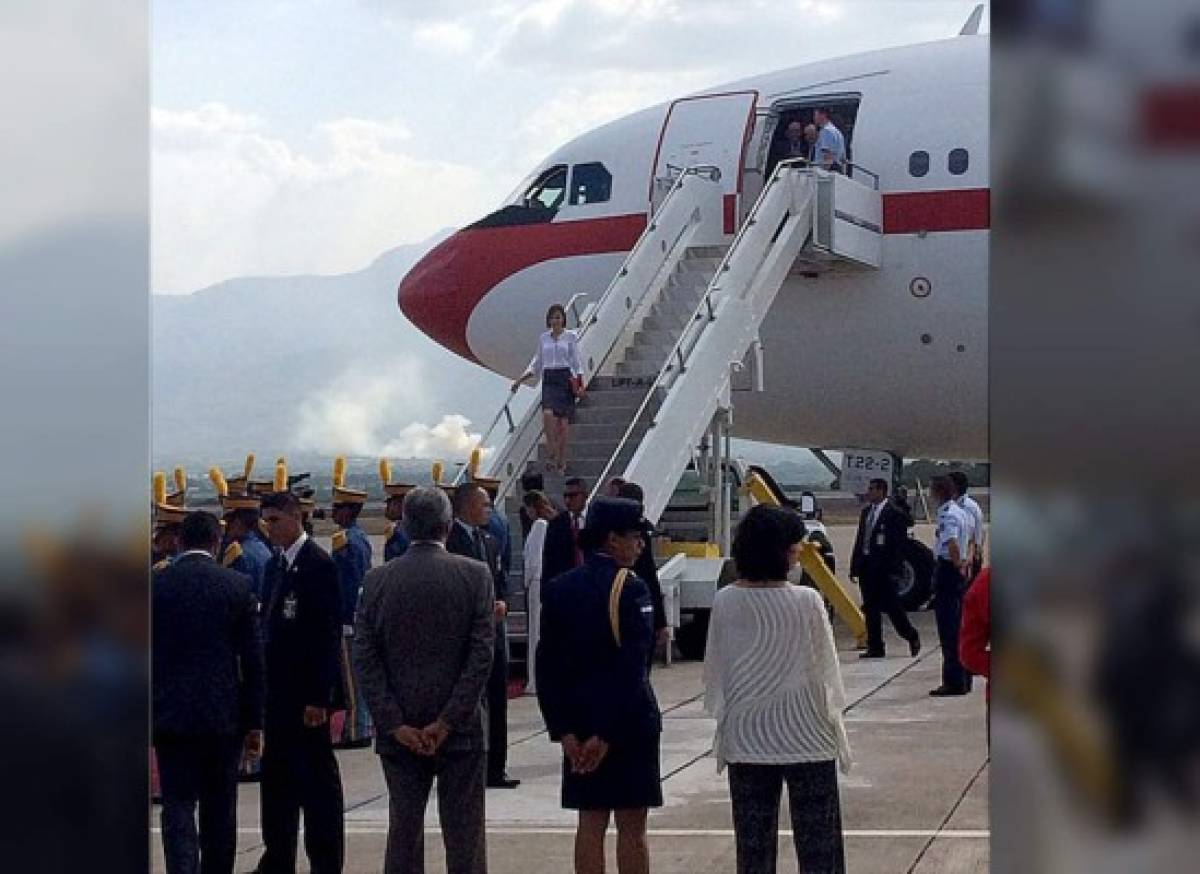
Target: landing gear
(692, 637)
(914, 583)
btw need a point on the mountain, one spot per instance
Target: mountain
(308, 365)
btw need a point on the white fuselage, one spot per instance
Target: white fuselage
(894, 358)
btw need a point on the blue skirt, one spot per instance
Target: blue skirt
(630, 776)
(557, 396)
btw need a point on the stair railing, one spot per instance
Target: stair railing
(598, 326)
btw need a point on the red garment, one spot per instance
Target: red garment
(975, 636)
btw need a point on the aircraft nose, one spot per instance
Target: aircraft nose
(433, 297)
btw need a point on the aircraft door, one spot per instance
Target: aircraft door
(709, 130)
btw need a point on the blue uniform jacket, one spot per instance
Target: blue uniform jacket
(396, 545)
(253, 562)
(353, 561)
(587, 685)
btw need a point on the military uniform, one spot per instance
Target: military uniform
(593, 677)
(352, 557)
(948, 586)
(397, 542)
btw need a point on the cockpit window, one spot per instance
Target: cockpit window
(549, 190)
(590, 183)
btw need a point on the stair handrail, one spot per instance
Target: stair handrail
(505, 411)
(702, 315)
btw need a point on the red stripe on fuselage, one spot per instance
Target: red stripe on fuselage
(439, 294)
(908, 212)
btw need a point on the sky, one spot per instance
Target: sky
(309, 136)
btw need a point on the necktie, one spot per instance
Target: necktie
(480, 549)
(575, 539)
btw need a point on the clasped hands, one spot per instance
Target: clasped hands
(584, 757)
(422, 741)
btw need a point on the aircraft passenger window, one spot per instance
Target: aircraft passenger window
(548, 191)
(958, 161)
(590, 183)
(918, 163)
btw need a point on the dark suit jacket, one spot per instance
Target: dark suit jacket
(586, 684)
(887, 541)
(423, 645)
(558, 551)
(206, 652)
(304, 636)
(459, 543)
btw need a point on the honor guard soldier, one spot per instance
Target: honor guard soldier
(243, 548)
(397, 541)
(238, 484)
(164, 537)
(949, 581)
(303, 637)
(593, 682)
(352, 556)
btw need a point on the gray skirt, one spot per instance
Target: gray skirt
(557, 396)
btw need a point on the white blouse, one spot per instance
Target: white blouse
(552, 352)
(772, 679)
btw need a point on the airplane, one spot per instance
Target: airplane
(893, 359)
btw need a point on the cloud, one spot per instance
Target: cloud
(233, 199)
(363, 413)
(451, 37)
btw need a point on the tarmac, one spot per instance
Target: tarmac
(915, 802)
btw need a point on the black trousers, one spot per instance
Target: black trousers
(948, 586)
(460, 780)
(300, 772)
(497, 702)
(879, 597)
(816, 816)
(199, 771)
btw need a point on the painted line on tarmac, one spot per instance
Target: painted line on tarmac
(935, 834)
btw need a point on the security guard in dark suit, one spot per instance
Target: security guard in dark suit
(882, 530)
(303, 621)
(472, 508)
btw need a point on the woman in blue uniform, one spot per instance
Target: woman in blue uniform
(593, 686)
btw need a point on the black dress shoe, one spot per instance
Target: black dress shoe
(947, 691)
(871, 655)
(502, 783)
(914, 647)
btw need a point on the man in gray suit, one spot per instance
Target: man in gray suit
(423, 648)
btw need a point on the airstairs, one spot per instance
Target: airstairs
(682, 315)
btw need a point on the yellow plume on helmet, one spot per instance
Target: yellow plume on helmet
(436, 473)
(160, 487)
(476, 457)
(249, 465)
(385, 471)
(339, 471)
(280, 476)
(180, 480)
(218, 481)
(280, 460)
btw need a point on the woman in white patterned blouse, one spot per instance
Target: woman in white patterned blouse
(773, 684)
(556, 364)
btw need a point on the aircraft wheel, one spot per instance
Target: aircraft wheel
(914, 583)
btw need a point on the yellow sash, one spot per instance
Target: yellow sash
(614, 604)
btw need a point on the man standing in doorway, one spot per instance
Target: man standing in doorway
(830, 150)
